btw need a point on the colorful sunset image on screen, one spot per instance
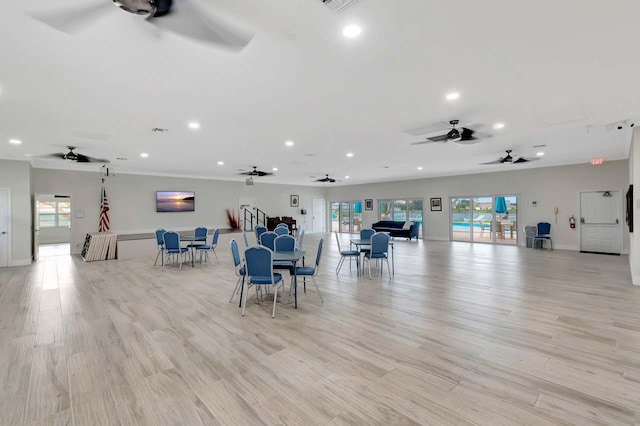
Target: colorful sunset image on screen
(175, 201)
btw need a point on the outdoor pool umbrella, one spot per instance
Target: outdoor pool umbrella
(501, 205)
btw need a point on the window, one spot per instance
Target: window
(402, 210)
(52, 214)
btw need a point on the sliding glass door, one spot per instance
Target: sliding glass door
(346, 216)
(402, 210)
(485, 219)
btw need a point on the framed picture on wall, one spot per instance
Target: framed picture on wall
(368, 204)
(295, 201)
(436, 204)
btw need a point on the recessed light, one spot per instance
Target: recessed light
(453, 96)
(351, 31)
(220, 163)
(289, 143)
(15, 141)
(420, 168)
(349, 154)
(275, 169)
(144, 155)
(346, 177)
(498, 126)
(194, 125)
(540, 154)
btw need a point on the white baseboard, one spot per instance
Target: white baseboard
(428, 238)
(20, 262)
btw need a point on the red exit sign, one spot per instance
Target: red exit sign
(596, 161)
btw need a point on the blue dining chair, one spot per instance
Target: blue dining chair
(172, 246)
(200, 234)
(238, 268)
(378, 251)
(281, 230)
(259, 231)
(366, 234)
(300, 240)
(309, 271)
(267, 239)
(351, 254)
(259, 271)
(160, 243)
(543, 233)
(284, 243)
(209, 248)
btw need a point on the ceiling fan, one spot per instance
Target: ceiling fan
(508, 159)
(326, 178)
(185, 17)
(256, 172)
(76, 157)
(462, 135)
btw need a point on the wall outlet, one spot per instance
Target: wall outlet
(534, 204)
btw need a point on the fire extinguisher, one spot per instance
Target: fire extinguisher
(572, 222)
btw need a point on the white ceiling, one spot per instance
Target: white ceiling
(562, 74)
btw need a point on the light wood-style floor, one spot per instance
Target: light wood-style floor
(464, 334)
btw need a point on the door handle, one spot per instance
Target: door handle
(582, 220)
(617, 221)
(3, 232)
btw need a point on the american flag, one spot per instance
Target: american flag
(104, 213)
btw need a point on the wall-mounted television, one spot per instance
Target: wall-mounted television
(175, 201)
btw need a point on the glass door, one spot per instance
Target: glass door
(356, 216)
(461, 219)
(485, 219)
(506, 219)
(415, 213)
(344, 217)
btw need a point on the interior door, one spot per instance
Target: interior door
(601, 222)
(318, 221)
(5, 223)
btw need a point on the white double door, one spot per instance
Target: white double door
(601, 222)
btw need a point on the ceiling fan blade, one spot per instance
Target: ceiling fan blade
(525, 160)
(467, 137)
(440, 138)
(425, 141)
(71, 19)
(190, 20)
(56, 156)
(87, 159)
(500, 161)
(440, 126)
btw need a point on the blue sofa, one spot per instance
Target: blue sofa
(395, 229)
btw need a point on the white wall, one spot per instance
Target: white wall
(132, 201)
(16, 176)
(550, 187)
